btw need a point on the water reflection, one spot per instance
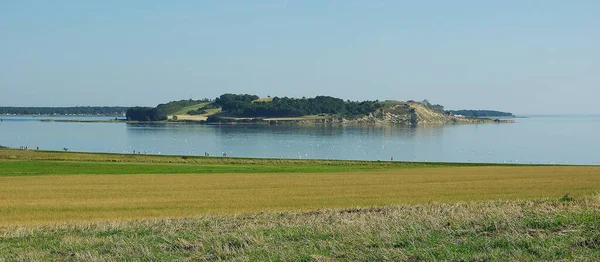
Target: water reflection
(288, 141)
(534, 140)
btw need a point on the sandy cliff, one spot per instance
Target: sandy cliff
(409, 114)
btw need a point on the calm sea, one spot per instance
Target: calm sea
(551, 139)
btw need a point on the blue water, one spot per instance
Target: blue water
(556, 139)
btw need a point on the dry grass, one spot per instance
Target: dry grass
(47, 199)
(548, 230)
(189, 117)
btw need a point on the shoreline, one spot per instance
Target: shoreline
(300, 121)
(58, 155)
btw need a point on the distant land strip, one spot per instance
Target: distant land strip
(77, 110)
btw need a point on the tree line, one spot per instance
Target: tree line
(78, 110)
(145, 114)
(160, 112)
(246, 106)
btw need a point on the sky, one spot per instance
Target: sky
(526, 57)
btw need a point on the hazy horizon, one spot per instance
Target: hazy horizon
(526, 57)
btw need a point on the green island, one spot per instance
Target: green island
(100, 206)
(245, 108)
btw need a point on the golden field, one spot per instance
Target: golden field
(33, 199)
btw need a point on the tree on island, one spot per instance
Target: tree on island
(248, 106)
(145, 114)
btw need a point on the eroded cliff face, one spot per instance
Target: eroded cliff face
(414, 114)
(408, 114)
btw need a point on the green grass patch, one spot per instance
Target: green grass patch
(184, 110)
(28, 162)
(22, 168)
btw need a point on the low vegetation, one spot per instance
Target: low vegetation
(198, 111)
(196, 107)
(533, 230)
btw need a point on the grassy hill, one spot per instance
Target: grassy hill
(185, 110)
(177, 106)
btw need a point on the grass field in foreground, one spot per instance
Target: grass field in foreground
(51, 187)
(520, 230)
(90, 207)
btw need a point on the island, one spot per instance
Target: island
(246, 108)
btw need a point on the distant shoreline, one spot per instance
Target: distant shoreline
(258, 120)
(270, 122)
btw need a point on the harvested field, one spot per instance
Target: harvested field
(534, 230)
(48, 198)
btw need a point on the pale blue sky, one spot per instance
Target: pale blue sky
(522, 56)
